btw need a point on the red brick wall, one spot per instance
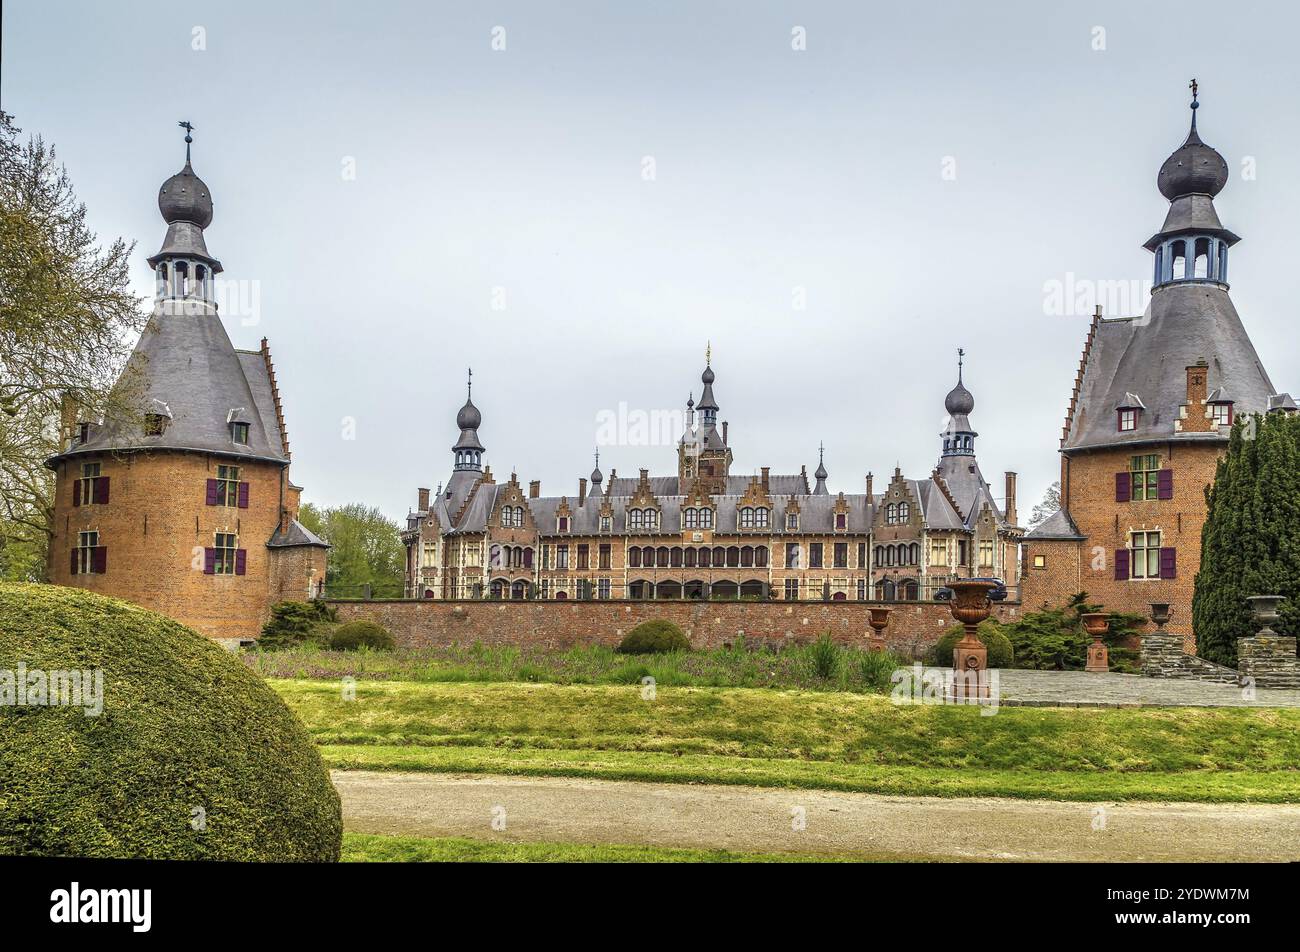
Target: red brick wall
(556, 624)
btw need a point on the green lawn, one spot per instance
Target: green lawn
(367, 848)
(822, 740)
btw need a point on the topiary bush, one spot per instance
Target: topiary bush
(654, 637)
(192, 756)
(990, 635)
(297, 623)
(361, 634)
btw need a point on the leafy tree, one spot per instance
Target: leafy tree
(67, 317)
(1051, 502)
(1250, 544)
(367, 550)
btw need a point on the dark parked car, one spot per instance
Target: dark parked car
(997, 594)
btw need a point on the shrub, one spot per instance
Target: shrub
(654, 637)
(185, 725)
(823, 657)
(361, 634)
(1054, 639)
(990, 635)
(877, 667)
(296, 623)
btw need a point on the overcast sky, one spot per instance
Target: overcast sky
(576, 215)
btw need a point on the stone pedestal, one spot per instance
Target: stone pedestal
(1270, 660)
(1098, 658)
(1162, 654)
(970, 669)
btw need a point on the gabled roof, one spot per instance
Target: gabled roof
(1184, 324)
(1058, 525)
(296, 534)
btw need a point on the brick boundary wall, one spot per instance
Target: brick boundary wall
(913, 626)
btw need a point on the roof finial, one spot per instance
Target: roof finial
(708, 353)
(821, 452)
(1195, 87)
(597, 457)
(960, 354)
(469, 385)
(189, 128)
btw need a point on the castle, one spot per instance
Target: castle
(706, 533)
(186, 506)
(1152, 408)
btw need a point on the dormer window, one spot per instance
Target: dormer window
(606, 523)
(155, 424)
(841, 520)
(1128, 420)
(697, 518)
(83, 432)
(792, 521)
(562, 524)
(761, 518)
(239, 433)
(1220, 407)
(1129, 412)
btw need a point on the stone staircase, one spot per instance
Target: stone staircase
(1163, 657)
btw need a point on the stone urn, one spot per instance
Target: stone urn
(1160, 614)
(1097, 624)
(970, 605)
(878, 620)
(1264, 608)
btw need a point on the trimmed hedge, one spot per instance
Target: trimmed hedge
(654, 637)
(990, 634)
(187, 737)
(361, 634)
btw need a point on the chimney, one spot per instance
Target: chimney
(534, 489)
(1193, 413)
(424, 499)
(766, 471)
(869, 493)
(582, 490)
(724, 432)
(1011, 498)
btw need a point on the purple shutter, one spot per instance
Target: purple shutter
(101, 489)
(1123, 487)
(209, 561)
(76, 492)
(1121, 564)
(241, 561)
(1169, 563)
(74, 561)
(212, 492)
(1165, 484)
(243, 495)
(100, 559)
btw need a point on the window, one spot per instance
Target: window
(1144, 472)
(841, 555)
(85, 557)
(891, 514)
(706, 518)
(83, 432)
(602, 588)
(155, 424)
(792, 589)
(634, 557)
(429, 555)
(792, 521)
(938, 553)
(91, 487)
(903, 511)
(814, 555)
(747, 518)
(562, 524)
(227, 488)
(986, 553)
(1222, 413)
(1128, 419)
(652, 518)
(635, 518)
(1040, 561)
(792, 555)
(1145, 560)
(604, 556)
(561, 556)
(606, 523)
(841, 520)
(862, 590)
(691, 519)
(224, 554)
(761, 518)
(239, 433)
(583, 556)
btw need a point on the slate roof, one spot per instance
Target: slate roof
(184, 360)
(1058, 525)
(296, 534)
(1185, 323)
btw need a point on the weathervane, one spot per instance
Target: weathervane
(960, 354)
(469, 385)
(189, 128)
(708, 354)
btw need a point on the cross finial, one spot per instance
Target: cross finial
(960, 354)
(821, 451)
(189, 128)
(1194, 86)
(469, 385)
(708, 354)
(597, 457)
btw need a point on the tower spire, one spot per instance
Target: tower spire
(189, 128)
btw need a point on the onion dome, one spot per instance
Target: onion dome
(597, 477)
(469, 417)
(185, 197)
(1194, 168)
(959, 401)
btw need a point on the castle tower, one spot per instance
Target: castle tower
(183, 503)
(1155, 399)
(703, 451)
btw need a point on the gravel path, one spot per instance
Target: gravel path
(747, 818)
(1082, 689)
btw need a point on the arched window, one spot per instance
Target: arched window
(634, 557)
(761, 518)
(747, 557)
(690, 518)
(915, 554)
(1178, 260)
(706, 518)
(1201, 259)
(661, 557)
(676, 559)
(747, 518)
(760, 556)
(705, 559)
(689, 558)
